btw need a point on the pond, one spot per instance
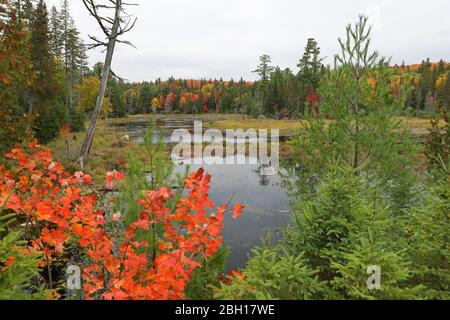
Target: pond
(267, 206)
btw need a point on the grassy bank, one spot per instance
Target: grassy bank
(418, 126)
(107, 153)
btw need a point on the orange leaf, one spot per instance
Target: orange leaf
(8, 263)
(237, 210)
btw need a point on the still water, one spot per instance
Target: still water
(265, 201)
(267, 206)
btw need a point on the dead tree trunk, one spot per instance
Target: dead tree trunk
(30, 115)
(98, 106)
(112, 33)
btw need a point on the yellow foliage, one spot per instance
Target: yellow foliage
(155, 103)
(207, 89)
(88, 92)
(440, 82)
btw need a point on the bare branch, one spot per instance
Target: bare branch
(114, 22)
(102, 13)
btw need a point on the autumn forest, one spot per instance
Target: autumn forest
(93, 206)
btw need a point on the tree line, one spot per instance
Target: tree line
(279, 93)
(47, 83)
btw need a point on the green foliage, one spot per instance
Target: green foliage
(273, 274)
(438, 144)
(149, 169)
(47, 126)
(280, 92)
(146, 94)
(349, 225)
(46, 60)
(264, 69)
(76, 120)
(250, 106)
(444, 93)
(19, 272)
(206, 278)
(362, 131)
(116, 98)
(326, 221)
(350, 267)
(43, 97)
(310, 65)
(15, 76)
(428, 230)
(355, 199)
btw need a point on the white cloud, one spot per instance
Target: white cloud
(212, 38)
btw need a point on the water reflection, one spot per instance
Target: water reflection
(264, 198)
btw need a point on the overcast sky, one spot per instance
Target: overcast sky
(213, 39)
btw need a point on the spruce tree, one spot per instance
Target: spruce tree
(44, 95)
(264, 70)
(56, 41)
(444, 94)
(65, 29)
(74, 57)
(345, 228)
(116, 98)
(428, 229)
(310, 65)
(27, 11)
(19, 269)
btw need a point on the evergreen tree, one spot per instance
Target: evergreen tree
(272, 273)
(19, 7)
(427, 82)
(145, 98)
(364, 132)
(444, 94)
(276, 94)
(264, 70)
(74, 60)
(27, 11)
(116, 98)
(97, 70)
(310, 71)
(437, 146)
(346, 227)
(56, 40)
(64, 18)
(44, 95)
(15, 78)
(19, 269)
(428, 229)
(310, 65)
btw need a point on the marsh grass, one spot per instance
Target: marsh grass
(291, 127)
(108, 154)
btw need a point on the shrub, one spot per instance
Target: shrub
(66, 217)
